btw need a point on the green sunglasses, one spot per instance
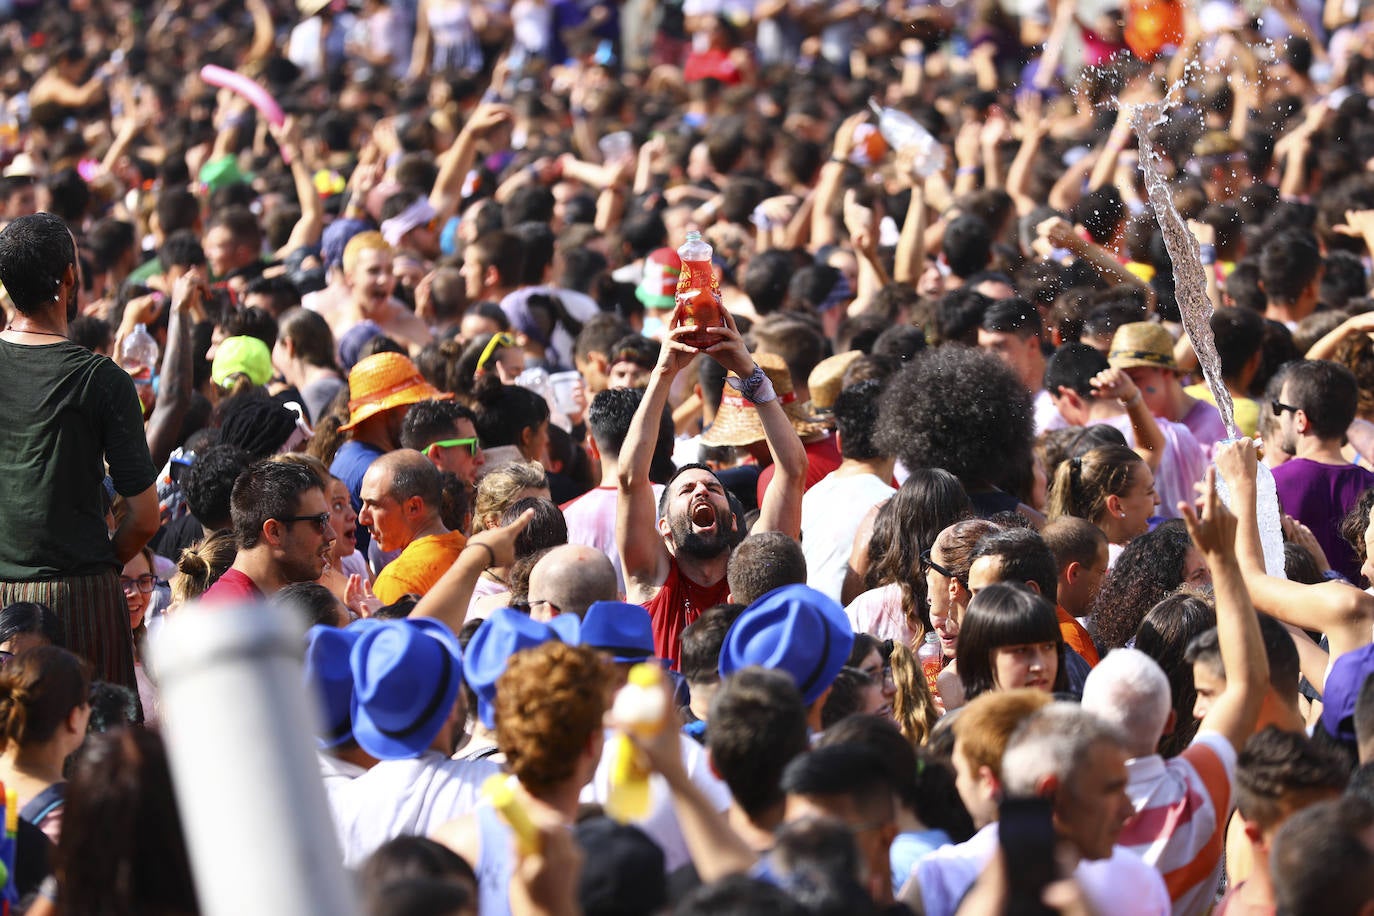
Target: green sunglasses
(471, 445)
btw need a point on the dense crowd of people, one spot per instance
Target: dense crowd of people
(932, 574)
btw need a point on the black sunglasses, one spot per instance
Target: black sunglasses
(928, 563)
(319, 521)
(1278, 407)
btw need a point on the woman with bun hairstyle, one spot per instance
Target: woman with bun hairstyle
(1112, 487)
(200, 567)
(512, 423)
(44, 707)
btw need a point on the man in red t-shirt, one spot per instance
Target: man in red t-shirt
(281, 523)
(675, 554)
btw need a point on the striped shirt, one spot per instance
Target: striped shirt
(1180, 821)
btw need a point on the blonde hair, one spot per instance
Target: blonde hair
(499, 489)
(1081, 485)
(913, 707)
(201, 565)
(363, 241)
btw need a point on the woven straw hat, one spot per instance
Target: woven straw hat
(737, 422)
(1142, 345)
(383, 381)
(826, 380)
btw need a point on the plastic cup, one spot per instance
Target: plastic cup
(565, 391)
(616, 147)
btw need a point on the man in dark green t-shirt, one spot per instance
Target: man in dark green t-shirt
(68, 414)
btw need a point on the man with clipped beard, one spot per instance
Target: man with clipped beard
(675, 560)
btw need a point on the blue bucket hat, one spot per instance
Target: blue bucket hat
(794, 629)
(504, 633)
(623, 630)
(406, 675)
(327, 672)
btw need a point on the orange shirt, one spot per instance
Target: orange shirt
(1077, 638)
(419, 566)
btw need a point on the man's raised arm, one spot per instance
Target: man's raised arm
(642, 554)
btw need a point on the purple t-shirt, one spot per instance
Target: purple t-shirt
(1319, 496)
(1204, 422)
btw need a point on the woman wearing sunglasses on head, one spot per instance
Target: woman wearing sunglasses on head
(946, 566)
(512, 423)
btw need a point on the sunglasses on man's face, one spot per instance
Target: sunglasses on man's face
(1279, 408)
(470, 444)
(319, 521)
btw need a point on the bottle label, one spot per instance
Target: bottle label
(698, 298)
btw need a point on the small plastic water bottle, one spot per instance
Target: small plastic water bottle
(639, 707)
(139, 355)
(903, 132)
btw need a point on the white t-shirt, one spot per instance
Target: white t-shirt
(591, 521)
(1122, 885)
(832, 511)
(1047, 416)
(661, 822)
(404, 798)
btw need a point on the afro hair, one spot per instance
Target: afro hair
(960, 409)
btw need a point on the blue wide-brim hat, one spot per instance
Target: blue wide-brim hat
(504, 633)
(623, 630)
(327, 672)
(794, 629)
(406, 675)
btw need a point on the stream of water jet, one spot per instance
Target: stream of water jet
(1190, 278)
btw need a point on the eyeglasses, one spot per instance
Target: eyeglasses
(470, 444)
(319, 521)
(144, 583)
(1278, 407)
(497, 341)
(881, 678)
(928, 563)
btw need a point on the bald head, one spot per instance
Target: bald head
(569, 579)
(402, 495)
(405, 474)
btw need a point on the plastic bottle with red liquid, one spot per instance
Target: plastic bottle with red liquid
(139, 355)
(931, 657)
(698, 292)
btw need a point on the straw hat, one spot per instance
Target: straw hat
(826, 380)
(383, 381)
(737, 421)
(1142, 345)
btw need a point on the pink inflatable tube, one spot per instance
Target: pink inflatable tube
(242, 85)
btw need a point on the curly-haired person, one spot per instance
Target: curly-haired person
(963, 410)
(549, 706)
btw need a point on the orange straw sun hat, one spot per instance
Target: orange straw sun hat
(737, 422)
(383, 381)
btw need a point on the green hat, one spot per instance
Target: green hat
(242, 356)
(222, 172)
